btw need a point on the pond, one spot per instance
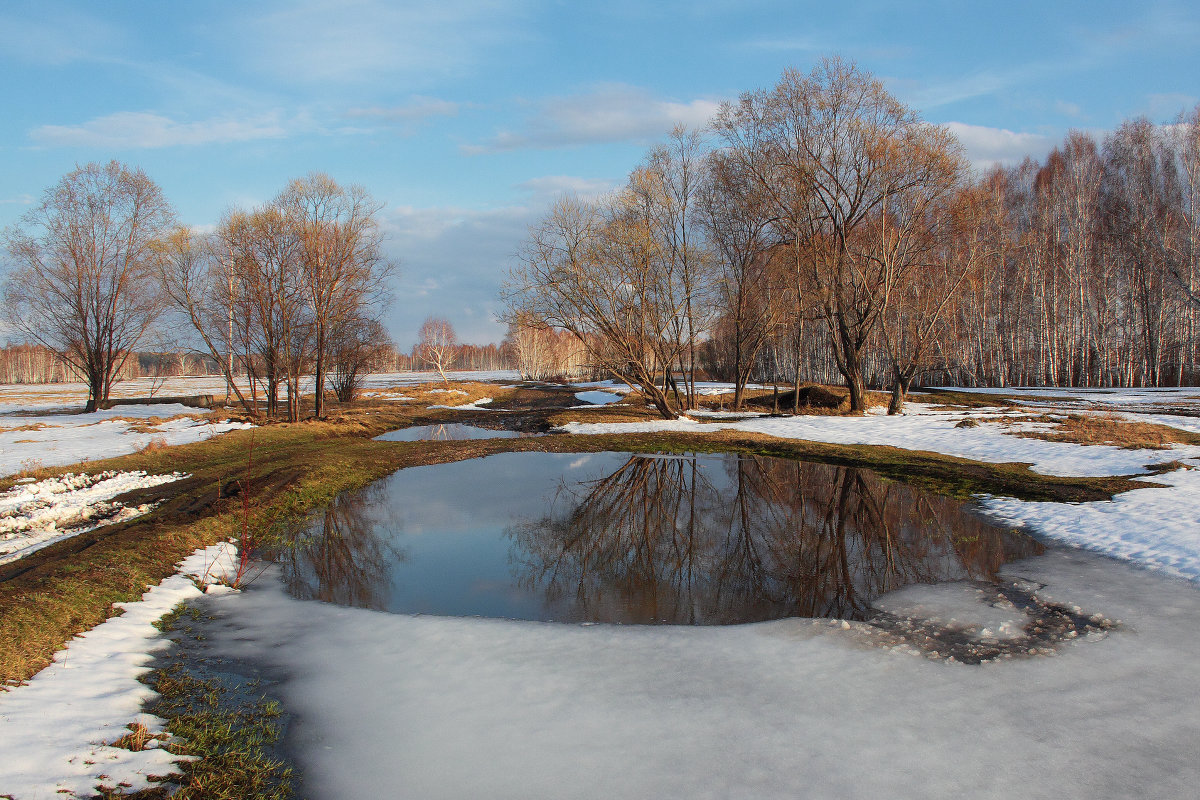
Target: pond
(449, 432)
(627, 538)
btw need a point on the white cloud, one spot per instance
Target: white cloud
(987, 147)
(417, 108)
(139, 129)
(19, 199)
(364, 41)
(611, 113)
(548, 188)
(454, 260)
(1069, 109)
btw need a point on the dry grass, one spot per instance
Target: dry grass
(154, 445)
(1109, 429)
(137, 738)
(37, 426)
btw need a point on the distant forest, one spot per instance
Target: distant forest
(25, 363)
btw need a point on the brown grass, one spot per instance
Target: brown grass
(137, 738)
(1109, 429)
(37, 426)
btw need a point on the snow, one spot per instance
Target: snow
(597, 398)
(958, 605)
(1155, 527)
(417, 706)
(396, 705)
(476, 405)
(32, 440)
(923, 427)
(34, 515)
(55, 729)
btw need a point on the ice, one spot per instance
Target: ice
(959, 605)
(393, 705)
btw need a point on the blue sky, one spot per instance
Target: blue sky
(466, 118)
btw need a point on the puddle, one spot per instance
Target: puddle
(450, 432)
(617, 537)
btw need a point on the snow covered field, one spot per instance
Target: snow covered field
(39, 429)
(29, 440)
(393, 705)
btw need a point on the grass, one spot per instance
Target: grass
(225, 724)
(1111, 430)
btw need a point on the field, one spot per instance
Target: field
(445, 706)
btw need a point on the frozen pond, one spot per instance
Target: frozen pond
(618, 537)
(450, 432)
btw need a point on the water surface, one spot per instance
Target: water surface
(619, 537)
(449, 432)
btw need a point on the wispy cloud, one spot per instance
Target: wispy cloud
(417, 108)
(139, 130)
(610, 113)
(1160, 106)
(983, 83)
(18, 200)
(545, 189)
(364, 41)
(988, 147)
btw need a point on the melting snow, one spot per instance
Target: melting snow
(417, 706)
(34, 515)
(55, 730)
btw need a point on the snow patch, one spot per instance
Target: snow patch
(34, 515)
(55, 730)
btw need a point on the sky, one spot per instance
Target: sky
(465, 119)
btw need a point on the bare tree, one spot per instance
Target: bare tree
(437, 345)
(355, 344)
(915, 320)
(596, 271)
(737, 217)
(341, 263)
(841, 156)
(200, 287)
(85, 257)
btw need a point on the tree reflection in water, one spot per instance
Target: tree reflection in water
(663, 540)
(338, 555)
(706, 539)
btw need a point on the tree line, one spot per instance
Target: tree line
(273, 293)
(821, 230)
